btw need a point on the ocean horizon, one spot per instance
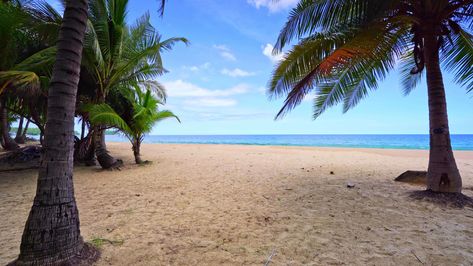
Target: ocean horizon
(381, 141)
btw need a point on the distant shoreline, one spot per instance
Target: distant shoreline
(331, 148)
(460, 142)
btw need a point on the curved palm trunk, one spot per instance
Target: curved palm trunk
(52, 235)
(7, 141)
(136, 152)
(104, 158)
(442, 174)
(84, 151)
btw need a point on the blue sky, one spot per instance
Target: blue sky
(217, 84)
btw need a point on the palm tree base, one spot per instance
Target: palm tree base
(444, 199)
(87, 255)
(10, 146)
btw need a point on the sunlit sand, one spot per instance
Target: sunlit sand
(238, 205)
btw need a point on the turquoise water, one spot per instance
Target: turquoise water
(459, 142)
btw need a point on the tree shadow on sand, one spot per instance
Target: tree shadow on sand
(451, 200)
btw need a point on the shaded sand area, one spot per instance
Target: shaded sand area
(237, 205)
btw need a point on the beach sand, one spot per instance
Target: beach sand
(237, 205)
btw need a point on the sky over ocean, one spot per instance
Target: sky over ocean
(217, 84)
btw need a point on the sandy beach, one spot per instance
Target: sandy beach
(238, 205)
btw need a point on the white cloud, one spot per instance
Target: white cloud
(198, 68)
(268, 52)
(180, 88)
(261, 90)
(225, 52)
(237, 72)
(210, 102)
(273, 5)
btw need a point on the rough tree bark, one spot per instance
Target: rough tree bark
(6, 140)
(52, 235)
(19, 133)
(104, 158)
(442, 173)
(25, 130)
(82, 132)
(136, 152)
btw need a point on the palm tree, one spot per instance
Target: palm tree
(12, 17)
(346, 46)
(52, 233)
(133, 122)
(27, 31)
(116, 54)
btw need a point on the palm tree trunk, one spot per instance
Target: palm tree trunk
(25, 129)
(104, 158)
(136, 152)
(52, 234)
(19, 132)
(442, 174)
(82, 133)
(7, 141)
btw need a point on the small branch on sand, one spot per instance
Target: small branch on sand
(270, 257)
(417, 257)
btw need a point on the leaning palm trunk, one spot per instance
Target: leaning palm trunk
(104, 158)
(442, 174)
(6, 140)
(19, 133)
(84, 151)
(25, 129)
(52, 235)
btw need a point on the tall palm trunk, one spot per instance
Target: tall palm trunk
(6, 140)
(442, 174)
(52, 235)
(104, 158)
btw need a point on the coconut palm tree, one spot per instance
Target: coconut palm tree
(12, 17)
(27, 31)
(116, 54)
(52, 232)
(52, 235)
(137, 117)
(346, 46)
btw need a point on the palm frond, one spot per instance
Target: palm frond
(343, 66)
(165, 114)
(161, 7)
(310, 16)
(104, 114)
(99, 24)
(45, 20)
(26, 81)
(458, 58)
(157, 88)
(409, 80)
(93, 56)
(41, 62)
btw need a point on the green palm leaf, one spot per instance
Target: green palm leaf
(104, 114)
(458, 58)
(342, 64)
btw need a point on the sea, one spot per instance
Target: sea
(415, 142)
